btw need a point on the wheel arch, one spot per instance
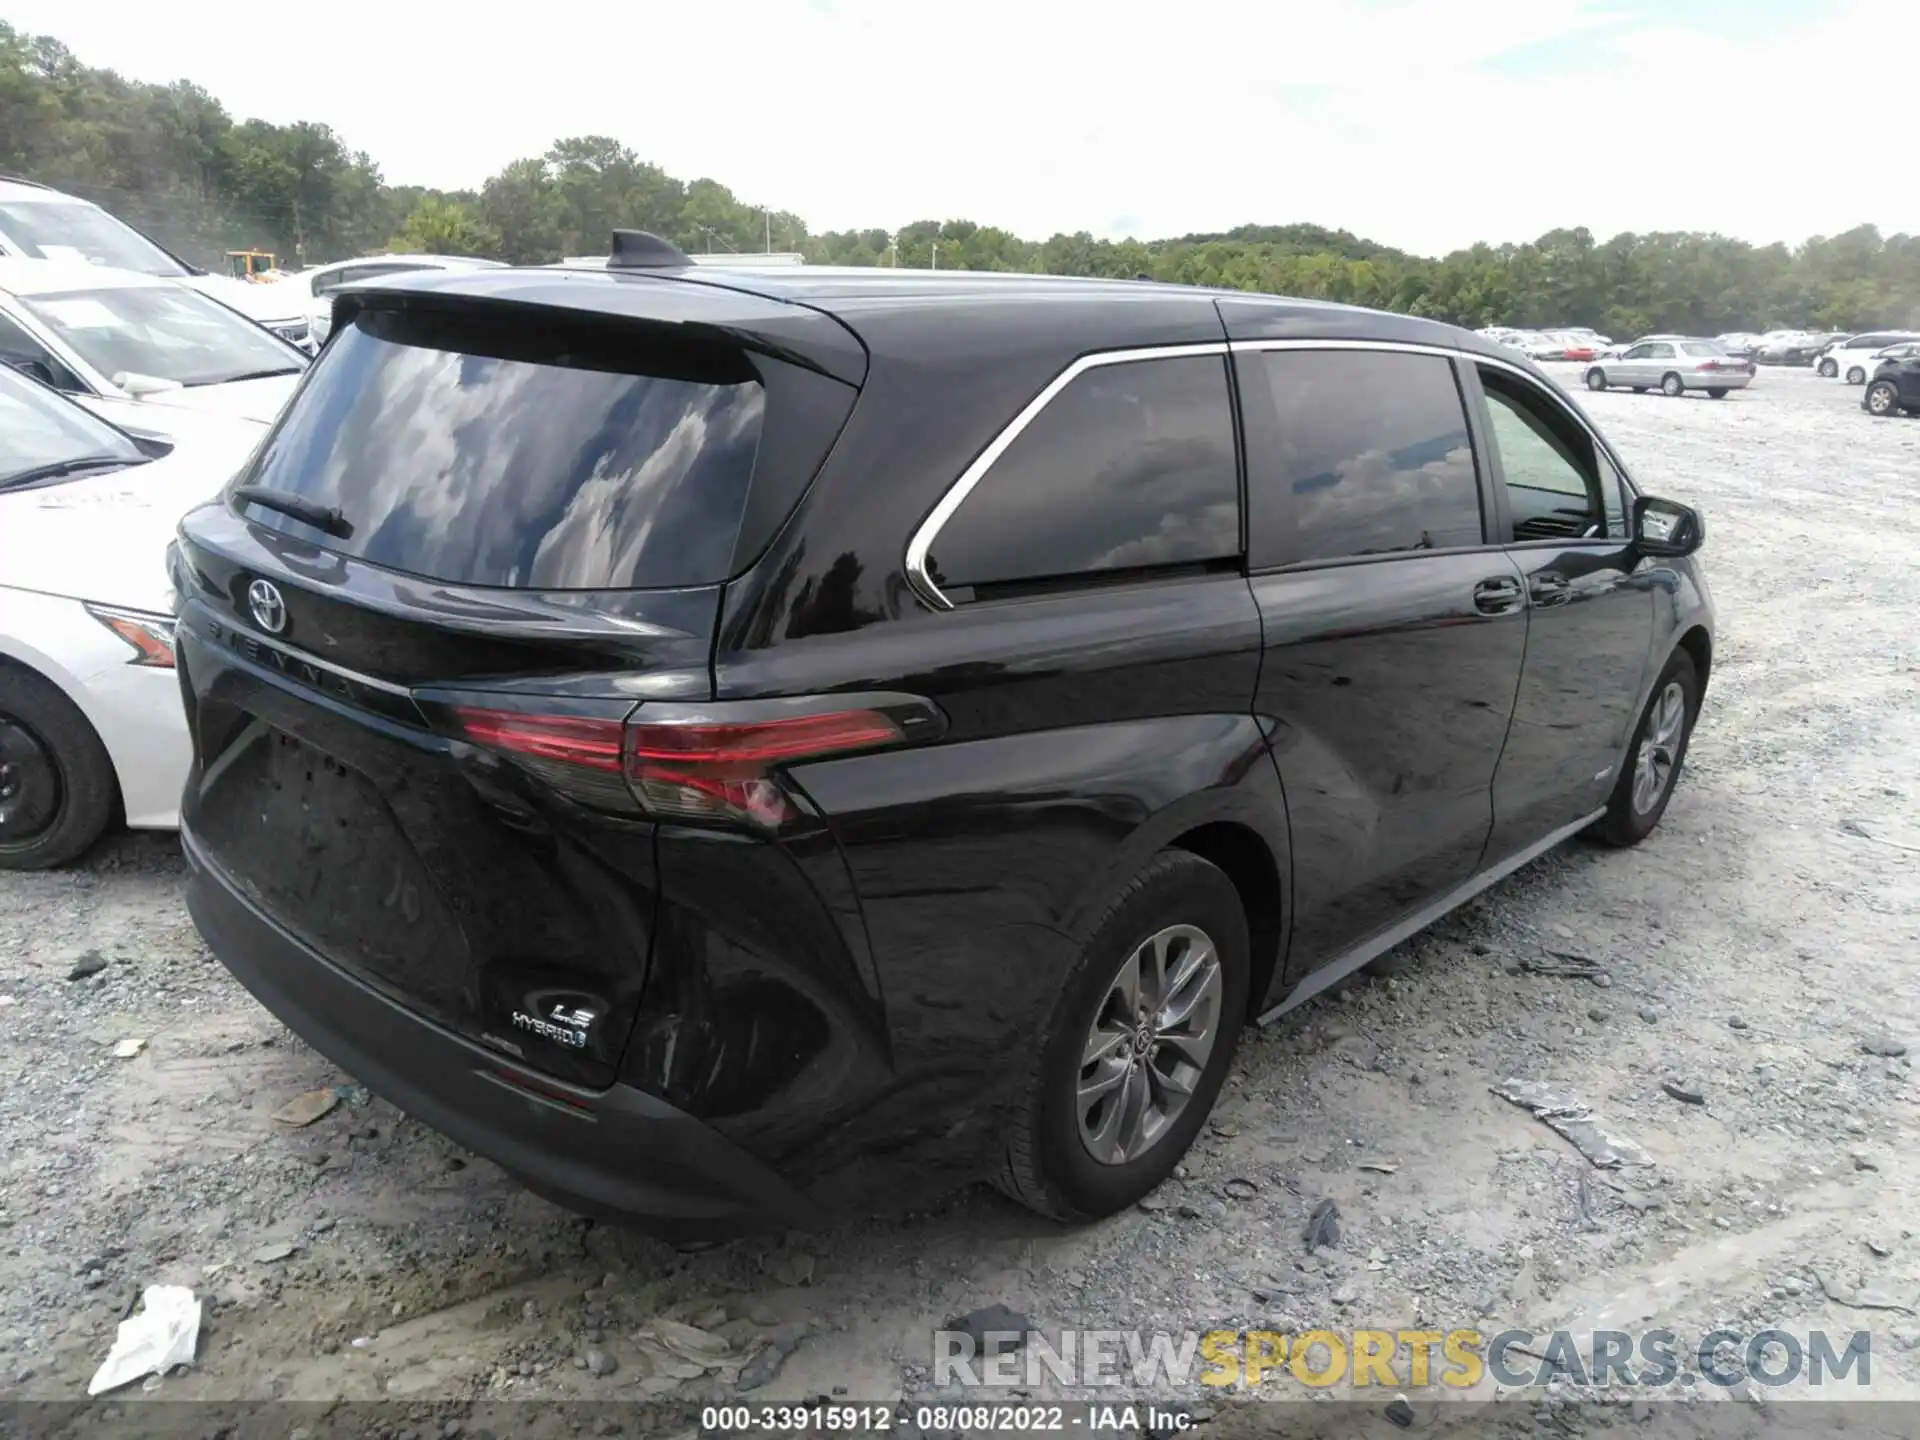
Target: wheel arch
(1699, 647)
(1242, 829)
(17, 655)
(1245, 858)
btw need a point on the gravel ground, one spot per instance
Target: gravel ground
(1760, 949)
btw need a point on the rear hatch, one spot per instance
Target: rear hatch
(412, 631)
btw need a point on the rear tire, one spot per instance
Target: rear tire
(1654, 759)
(1672, 386)
(1883, 398)
(1856, 376)
(1060, 1113)
(1596, 379)
(1716, 392)
(57, 785)
(1829, 369)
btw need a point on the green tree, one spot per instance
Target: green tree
(445, 227)
(170, 160)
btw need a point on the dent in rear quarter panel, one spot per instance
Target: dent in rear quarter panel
(1085, 731)
(759, 1017)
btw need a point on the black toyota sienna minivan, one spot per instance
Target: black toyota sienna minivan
(736, 747)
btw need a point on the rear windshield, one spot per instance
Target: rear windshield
(520, 454)
(1701, 347)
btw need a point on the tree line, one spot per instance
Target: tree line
(171, 161)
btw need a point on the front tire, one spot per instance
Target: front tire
(1137, 1047)
(1596, 379)
(1672, 386)
(56, 782)
(1654, 760)
(1883, 398)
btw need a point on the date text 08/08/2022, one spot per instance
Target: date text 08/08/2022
(982, 1418)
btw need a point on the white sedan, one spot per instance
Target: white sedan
(38, 222)
(138, 350)
(90, 717)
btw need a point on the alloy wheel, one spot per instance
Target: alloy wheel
(1659, 748)
(1880, 399)
(1149, 1044)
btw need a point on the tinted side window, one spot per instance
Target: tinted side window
(1131, 465)
(1549, 464)
(1660, 352)
(1638, 352)
(1370, 456)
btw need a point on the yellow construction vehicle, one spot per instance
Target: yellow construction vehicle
(251, 265)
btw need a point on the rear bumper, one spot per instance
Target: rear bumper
(618, 1151)
(1725, 380)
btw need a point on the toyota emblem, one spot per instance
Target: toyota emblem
(269, 610)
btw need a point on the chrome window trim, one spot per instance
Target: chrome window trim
(921, 544)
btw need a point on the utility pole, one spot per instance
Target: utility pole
(934, 263)
(769, 215)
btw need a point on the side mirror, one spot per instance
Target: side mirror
(1666, 527)
(140, 386)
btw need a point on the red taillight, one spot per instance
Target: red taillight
(569, 739)
(685, 770)
(702, 771)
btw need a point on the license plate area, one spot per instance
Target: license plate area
(310, 840)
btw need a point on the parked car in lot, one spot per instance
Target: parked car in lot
(90, 721)
(1797, 347)
(137, 350)
(1852, 359)
(735, 746)
(1739, 344)
(1895, 386)
(322, 282)
(1540, 345)
(1673, 367)
(1615, 351)
(38, 222)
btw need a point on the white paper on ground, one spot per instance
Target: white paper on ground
(152, 1342)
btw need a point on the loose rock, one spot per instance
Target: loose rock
(993, 1328)
(1687, 1092)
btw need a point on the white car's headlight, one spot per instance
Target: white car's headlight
(151, 636)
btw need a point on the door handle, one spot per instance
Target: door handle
(1497, 596)
(1547, 588)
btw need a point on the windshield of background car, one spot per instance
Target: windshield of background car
(38, 428)
(1701, 347)
(167, 331)
(550, 457)
(75, 230)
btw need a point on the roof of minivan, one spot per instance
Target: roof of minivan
(872, 300)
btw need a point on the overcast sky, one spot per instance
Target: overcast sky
(1426, 124)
